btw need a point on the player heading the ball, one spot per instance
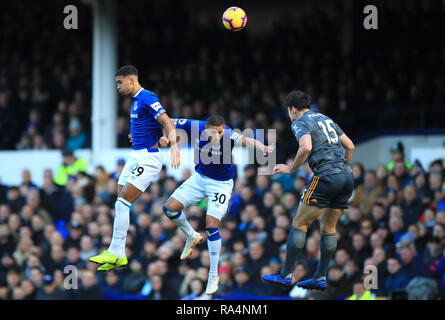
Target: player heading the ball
(213, 179)
(148, 120)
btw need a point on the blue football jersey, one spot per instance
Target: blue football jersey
(145, 110)
(213, 161)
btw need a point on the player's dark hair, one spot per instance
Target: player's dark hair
(215, 121)
(127, 71)
(298, 99)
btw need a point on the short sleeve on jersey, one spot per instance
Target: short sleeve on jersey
(299, 129)
(187, 125)
(153, 106)
(182, 124)
(339, 131)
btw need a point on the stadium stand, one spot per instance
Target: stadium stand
(396, 221)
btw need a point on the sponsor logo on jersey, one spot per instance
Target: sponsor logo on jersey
(207, 150)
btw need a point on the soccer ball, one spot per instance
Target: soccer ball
(234, 19)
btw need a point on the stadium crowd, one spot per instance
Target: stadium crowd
(45, 97)
(396, 222)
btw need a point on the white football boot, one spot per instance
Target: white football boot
(190, 244)
(212, 284)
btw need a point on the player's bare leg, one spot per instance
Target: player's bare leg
(329, 220)
(173, 210)
(214, 245)
(305, 216)
(129, 192)
(119, 189)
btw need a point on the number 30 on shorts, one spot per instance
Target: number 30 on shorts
(219, 197)
(137, 171)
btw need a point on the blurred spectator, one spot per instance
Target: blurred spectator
(398, 154)
(160, 291)
(50, 290)
(88, 289)
(70, 167)
(73, 258)
(366, 195)
(397, 278)
(432, 253)
(256, 260)
(40, 109)
(361, 249)
(120, 163)
(102, 178)
(411, 205)
(411, 264)
(87, 248)
(358, 172)
(29, 290)
(242, 284)
(77, 138)
(112, 285)
(75, 233)
(421, 288)
(301, 272)
(337, 286)
(196, 290)
(360, 293)
(135, 280)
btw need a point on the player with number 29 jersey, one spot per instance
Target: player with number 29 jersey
(148, 122)
(145, 110)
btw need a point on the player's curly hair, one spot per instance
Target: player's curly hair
(298, 99)
(127, 71)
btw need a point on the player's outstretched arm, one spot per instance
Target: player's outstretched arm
(163, 142)
(170, 131)
(304, 149)
(348, 145)
(255, 144)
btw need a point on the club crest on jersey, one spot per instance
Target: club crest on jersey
(135, 105)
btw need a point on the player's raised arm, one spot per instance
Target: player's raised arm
(304, 149)
(163, 141)
(255, 144)
(170, 131)
(348, 145)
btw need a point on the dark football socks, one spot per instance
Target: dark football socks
(328, 245)
(294, 250)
